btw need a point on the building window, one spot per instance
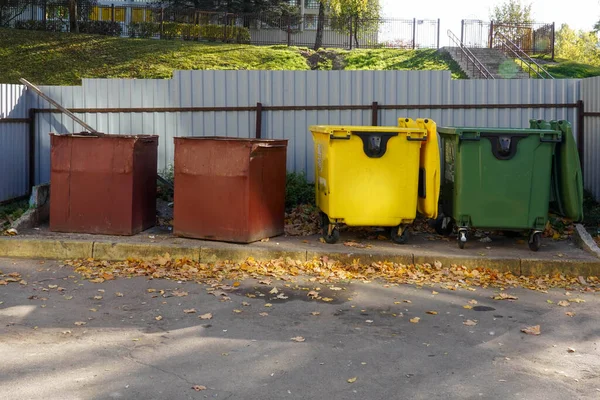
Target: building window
(310, 22)
(311, 3)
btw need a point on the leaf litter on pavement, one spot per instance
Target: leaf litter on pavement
(325, 271)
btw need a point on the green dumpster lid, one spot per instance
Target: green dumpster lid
(452, 130)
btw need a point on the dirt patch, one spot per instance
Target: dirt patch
(324, 60)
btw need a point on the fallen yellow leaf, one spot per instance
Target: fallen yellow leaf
(245, 304)
(274, 291)
(263, 314)
(415, 320)
(237, 311)
(577, 300)
(52, 286)
(434, 292)
(532, 330)
(158, 318)
(206, 316)
(469, 322)
(179, 293)
(298, 339)
(268, 305)
(190, 311)
(570, 313)
(431, 312)
(564, 303)
(119, 294)
(352, 380)
(468, 307)
(97, 297)
(80, 323)
(327, 299)
(315, 313)
(198, 388)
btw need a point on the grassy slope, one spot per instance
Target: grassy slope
(385, 59)
(63, 59)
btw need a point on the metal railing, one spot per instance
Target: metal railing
(509, 48)
(464, 51)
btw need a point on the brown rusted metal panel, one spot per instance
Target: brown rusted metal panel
(229, 189)
(103, 185)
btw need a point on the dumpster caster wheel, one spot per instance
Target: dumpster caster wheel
(444, 226)
(399, 234)
(462, 238)
(331, 233)
(535, 241)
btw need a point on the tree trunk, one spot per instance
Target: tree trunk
(320, 26)
(73, 16)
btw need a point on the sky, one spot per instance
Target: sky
(578, 14)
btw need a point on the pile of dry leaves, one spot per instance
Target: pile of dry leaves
(324, 270)
(303, 220)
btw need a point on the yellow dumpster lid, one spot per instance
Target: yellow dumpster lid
(363, 129)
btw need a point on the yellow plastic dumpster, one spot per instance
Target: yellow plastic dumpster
(374, 176)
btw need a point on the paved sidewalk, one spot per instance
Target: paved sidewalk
(504, 254)
(137, 341)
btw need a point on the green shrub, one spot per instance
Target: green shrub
(33, 25)
(298, 190)
(143, 30)
(106, 28)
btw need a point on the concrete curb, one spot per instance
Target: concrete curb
(584, 240)
(111, 251)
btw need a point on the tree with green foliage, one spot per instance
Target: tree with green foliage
(512, 12)
(511, 19)
(356, 18)
(580, 46)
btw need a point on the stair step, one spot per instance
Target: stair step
(492, 59)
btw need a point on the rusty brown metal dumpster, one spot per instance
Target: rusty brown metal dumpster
(103, 185)
(229, 189)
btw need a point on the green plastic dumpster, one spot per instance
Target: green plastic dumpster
(567, 178)
(494, 178)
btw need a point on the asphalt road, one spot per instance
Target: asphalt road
(138, 343)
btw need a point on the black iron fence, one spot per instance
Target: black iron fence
(151, 20)
(532, 38)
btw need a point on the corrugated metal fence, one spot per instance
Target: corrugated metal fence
(206, 103)
(14, 142)
(590, 93)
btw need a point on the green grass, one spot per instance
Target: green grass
(389, 59)
(11, 212)
(564, 69)
(64, 59)
(571, 69)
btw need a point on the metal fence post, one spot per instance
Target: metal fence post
(553, 37)
(580, 132)
(374, 113)
(112, 12)
(438, 34)
(462, 31)
(414, 33)
(491, 39)
(259, 110)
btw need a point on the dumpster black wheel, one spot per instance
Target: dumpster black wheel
(462, 238)
(400, 239)
(442, 230)
(535, 241)
(332, 238)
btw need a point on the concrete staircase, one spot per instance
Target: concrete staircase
(500, 66)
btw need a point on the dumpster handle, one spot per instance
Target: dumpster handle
(417, 139)
(557, 140)
(347, 137)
